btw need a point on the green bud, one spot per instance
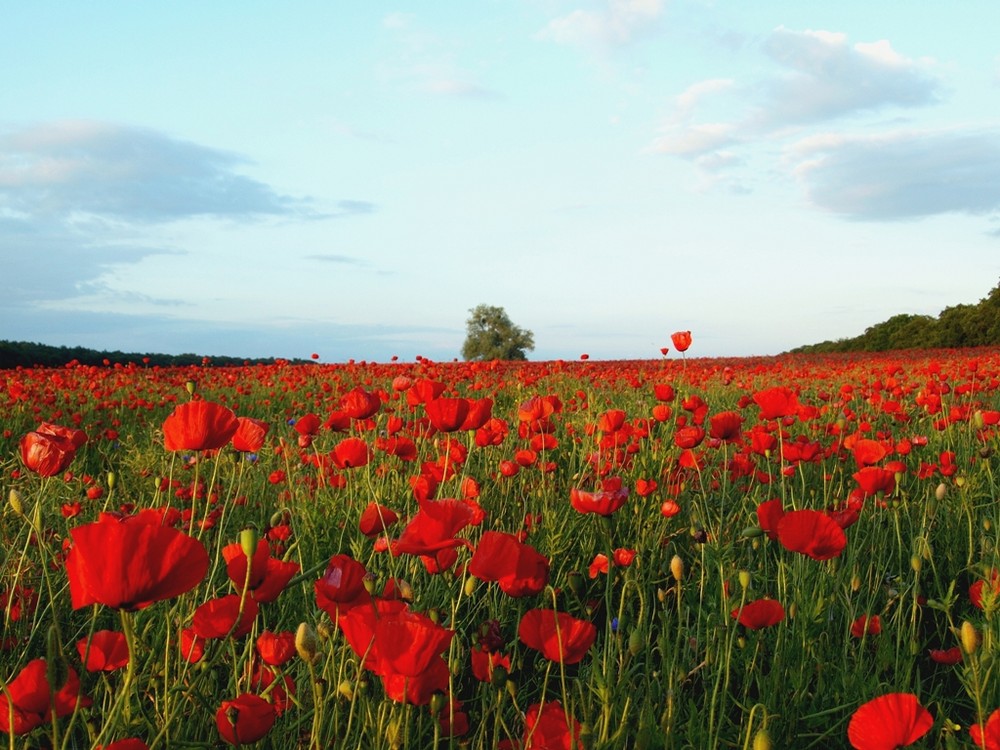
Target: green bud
(191, 386)
(248, 541)
(305, 642)
(112, 479)
(762, 740)
(16, 500)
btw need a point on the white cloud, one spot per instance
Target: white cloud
(901, 175)
(618, 23)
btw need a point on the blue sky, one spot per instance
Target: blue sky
(350, 178)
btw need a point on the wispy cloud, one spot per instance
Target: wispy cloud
(616, 23)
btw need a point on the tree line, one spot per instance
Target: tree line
(955, 327)
(27, 354)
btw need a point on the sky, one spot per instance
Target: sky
(350, 178)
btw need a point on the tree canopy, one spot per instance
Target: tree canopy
(490, 334)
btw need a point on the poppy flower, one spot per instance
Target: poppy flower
(811, 533)
(132, 563)
(776, 402)
(873, 479)
(888, 722)
(406, 643)
(762, 613)
(447, 414)
(559, 636)
(976, 592)
(681, 340)
(360, 404)
(433, 528)
(604, 501)
(546, 727)
(199, 426)
(28, 701)
(250, 434)
(75, 436)
(244, 719)
(106, 651)
(47, 454)
(484, 662)
(342, 586)
(267, 577)
(275, 649)
(518, 568)
(307, 425)
(948, 656)
(351, 453)
(866, 625)
(223, 617)
(480, 412)
(868, 452)
(987, 735)
(769, 513)
(375, 519)
(726, 426)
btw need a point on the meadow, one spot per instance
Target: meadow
(790, 552)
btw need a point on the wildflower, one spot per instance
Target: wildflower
(759, 614)
(889, 721)
(245, 719)
(559, 636)
(198, 426)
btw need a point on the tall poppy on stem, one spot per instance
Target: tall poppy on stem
(199, 426)
(811, 533)
(681, 340)
(987, 734)
(28, 701)
(133, 562)
(559, 636)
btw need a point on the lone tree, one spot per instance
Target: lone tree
(490, 334)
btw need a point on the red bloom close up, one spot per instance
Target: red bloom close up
(776, 402)
(890, 721)
(199, 426)
(603, 502)
(106, 651)
(434, 526)
(268, 575)
(811, 533)
(244, 719)
(518, 568)
(131, 563)
(49, 450)
(681, 340)
(546, 727)
(28, 701)
(250, 434)
(762, 613)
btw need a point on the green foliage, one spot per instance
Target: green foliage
(490, 335)
(955, 327)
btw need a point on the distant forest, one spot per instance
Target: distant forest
(24, 354)
(955, 327)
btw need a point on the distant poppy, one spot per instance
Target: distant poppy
(776, 402)
(245, 719)
(866, 625)
(811, 533)
(131, 563)
(268, 575)
(198, 426)
(28, 700)
(681, 340)
(948, 656)
(559, 636)
(250, 434)
(546, 727)
(604, 501)
(106, 651)
(519, 569)
(890, 721)
(759, 614)
(988, 735)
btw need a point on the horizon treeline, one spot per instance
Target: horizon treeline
(28, 354)
(956, 327)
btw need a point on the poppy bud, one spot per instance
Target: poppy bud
(369, 583)
(574, 580)
(305, 642)
(635, 642)
(191, 386)
(677, 568)
(346, 690)
(751, 532)
(248, 541)
(437, 703)
(392, 733)
(916, 563)
(16, 501)
(744, 577)
(470, 586)
(112, 478)
(969, 638)
(762, 740)
(511, 688)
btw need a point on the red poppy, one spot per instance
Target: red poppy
(351, 453)
(268, 576)
(419, 689)
(948, 656)
(769, 513)
(604, 501)
(230, 616)
(47, 454)
(993, 592)
(811, 533)
(987, 735)
(375, 519)
(681, 340)
(307, 425)
(726, 426)
(106, 651)
(198, 426)
(276, 649)
(872, 480)
(689, 437)
(447, 414)
(434, 526)
(75, 436)
(249, 435)
(888, 722)
(406, 643)
(245, 719)
(484, 662)
(758, 614)
(776, 402)
(480, 412)
(360, 404)
(866, 625)
(28, 701)
(192, 647)
(519, 569)
(868, 452)
(342, 586)
(547, 727)
(132, 562)
(559, 636)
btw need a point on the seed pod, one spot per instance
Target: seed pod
(305, 642)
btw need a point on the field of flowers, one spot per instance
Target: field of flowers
(794, 552)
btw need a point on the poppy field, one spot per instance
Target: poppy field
(789, 552)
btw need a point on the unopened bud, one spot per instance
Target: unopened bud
(248, 541)
(16, 500)
(112, 479)
(191, 386)
(744, 577)
(677, 568)
(369, 583)
(56, 668)
(941, 492)
(305, 642)
(470, 586)
(916, 563)
(635, 642)
(346, 690)
(969, 637)
(762, 740)
(438, 702)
